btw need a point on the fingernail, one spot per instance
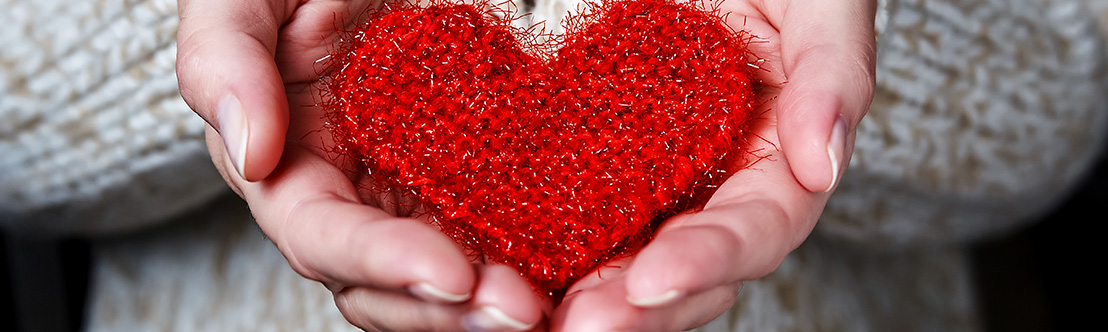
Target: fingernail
(490, 319)
(427, 292)
(655, 301)
(235, 131)
(836, 144)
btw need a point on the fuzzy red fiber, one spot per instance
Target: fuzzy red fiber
(552, 159)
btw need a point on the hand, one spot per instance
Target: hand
(819, 63)
(246, 68)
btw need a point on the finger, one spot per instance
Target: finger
(380, 310)
(691, 259)
(599, 307)
(752, 222)
(337, 240)
(309, 36)
(763, 39)
(504, 301)
(501, 287)
(227, 74)
(310, 210)
(602, 308)
(828, 55)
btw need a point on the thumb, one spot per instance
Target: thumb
(828, 53)
(226, 73)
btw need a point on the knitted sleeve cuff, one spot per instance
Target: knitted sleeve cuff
(94, 135)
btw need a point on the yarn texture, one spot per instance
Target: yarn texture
(554, 158)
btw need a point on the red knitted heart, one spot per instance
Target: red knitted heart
(550, 159)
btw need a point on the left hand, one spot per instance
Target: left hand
(819, 68)
(247, 68)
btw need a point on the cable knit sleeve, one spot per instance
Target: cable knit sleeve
(94, 135)
(987, 114)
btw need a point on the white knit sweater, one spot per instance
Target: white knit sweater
(94, 136)
(987, 113)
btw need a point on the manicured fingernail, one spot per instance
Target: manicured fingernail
(836, 144)
(427, 292)
(235, 131)
(490, 319)
(657, 300)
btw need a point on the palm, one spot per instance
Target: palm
(304, 44)
(757, 198)
(765, 169)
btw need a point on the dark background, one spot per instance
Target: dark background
(1041, 278)
(1046, 277)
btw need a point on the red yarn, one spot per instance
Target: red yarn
(551, 166)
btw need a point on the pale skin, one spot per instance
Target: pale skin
(246, 68)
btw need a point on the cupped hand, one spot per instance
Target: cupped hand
(818, 67)
(247, 68)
